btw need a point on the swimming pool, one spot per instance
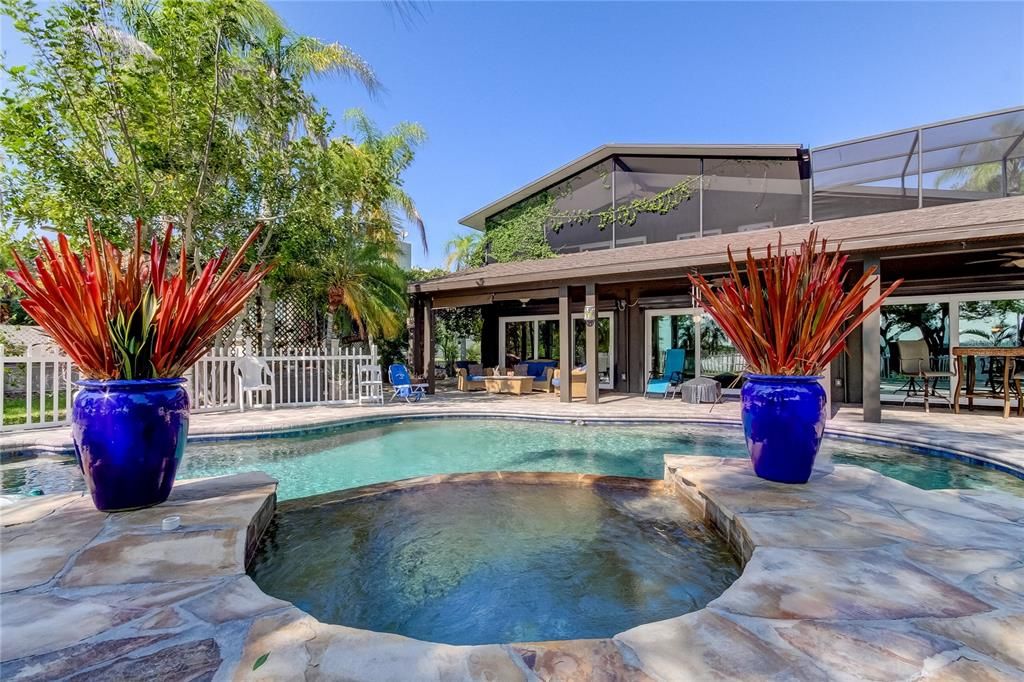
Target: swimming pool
(351, 456)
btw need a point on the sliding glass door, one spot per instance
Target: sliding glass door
(537, 337)
(941, 323)
(679, 328)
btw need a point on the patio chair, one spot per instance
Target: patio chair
(472, 378)
(915, 363)
(254, 376)
(579, 382)
(667, 382)
(401, 383)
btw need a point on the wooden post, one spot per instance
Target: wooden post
(416, 337)
(565, 345)
(871, 334)
(591, 355)
(429, 343)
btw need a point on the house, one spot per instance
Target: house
(940, 205)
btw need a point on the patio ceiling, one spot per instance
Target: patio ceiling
(953, 226)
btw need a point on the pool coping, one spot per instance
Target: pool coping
(917, 445)
(806, 604)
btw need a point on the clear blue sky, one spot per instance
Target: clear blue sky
(510, 91)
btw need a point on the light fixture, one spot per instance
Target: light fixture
(524, 301)
(589, 315)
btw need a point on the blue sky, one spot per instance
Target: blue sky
(510, 91)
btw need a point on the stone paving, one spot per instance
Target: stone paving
(854, 576)
(983, 435)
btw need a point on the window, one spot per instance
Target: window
(642, 177)
(748, 194)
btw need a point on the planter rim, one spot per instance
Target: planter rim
(128, 385)
(785, 378)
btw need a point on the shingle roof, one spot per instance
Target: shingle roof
(989, 219)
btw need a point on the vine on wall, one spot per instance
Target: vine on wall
(626, 214)
(517, 233)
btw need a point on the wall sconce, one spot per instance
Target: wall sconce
(589, 315)
(524, 301)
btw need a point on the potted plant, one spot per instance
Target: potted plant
(789, 316)
(133, 324)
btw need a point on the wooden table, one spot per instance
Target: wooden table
(967, 356)
(514, 385)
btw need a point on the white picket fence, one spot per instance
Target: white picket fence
(36, 389)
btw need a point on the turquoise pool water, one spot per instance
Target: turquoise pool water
(477, 563)
(354, 456)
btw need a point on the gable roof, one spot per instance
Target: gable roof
(963, 222)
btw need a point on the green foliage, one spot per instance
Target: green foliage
(260, 661)
(626, 214)
(369, 285)
(517, 233)
(196, 112)
(459, 251)
(132, 338)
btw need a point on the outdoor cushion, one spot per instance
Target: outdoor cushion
(537, 368)
(521, 370)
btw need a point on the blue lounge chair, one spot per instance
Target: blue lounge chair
(402, 384)
(671, 376)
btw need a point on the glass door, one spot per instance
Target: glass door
(676, 328)
(537, 338)
(605, 347)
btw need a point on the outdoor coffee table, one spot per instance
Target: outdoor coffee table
(513, 385)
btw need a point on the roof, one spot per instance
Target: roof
(605, 151)
(952, 223)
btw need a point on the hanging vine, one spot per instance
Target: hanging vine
(626, 214)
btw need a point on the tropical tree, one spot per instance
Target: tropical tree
(367, 283)
(460, 251)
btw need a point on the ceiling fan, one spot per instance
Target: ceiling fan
(1010, 259)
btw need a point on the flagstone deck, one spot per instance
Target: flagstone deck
(853, 576)
(983, 435)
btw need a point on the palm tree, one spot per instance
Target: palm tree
(375, 167)
(370, 286)
(461, 250)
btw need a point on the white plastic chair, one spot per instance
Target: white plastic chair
(251, 373)
(371, 386)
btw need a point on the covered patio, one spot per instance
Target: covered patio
(615, 300)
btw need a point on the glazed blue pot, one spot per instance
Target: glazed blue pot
(129, 439)
(783, 419)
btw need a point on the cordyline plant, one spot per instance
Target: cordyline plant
(791, 314)
(132, 316)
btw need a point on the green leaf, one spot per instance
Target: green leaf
(260, 661)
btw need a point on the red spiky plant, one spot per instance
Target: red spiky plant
(791, 313)
(120, 317)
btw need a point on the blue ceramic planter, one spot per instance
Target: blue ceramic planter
(129, 439)
(783, 419)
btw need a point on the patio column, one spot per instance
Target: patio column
(871, 334)
(416, 336)
(429, 343)
(565, 350)
(591, 302)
